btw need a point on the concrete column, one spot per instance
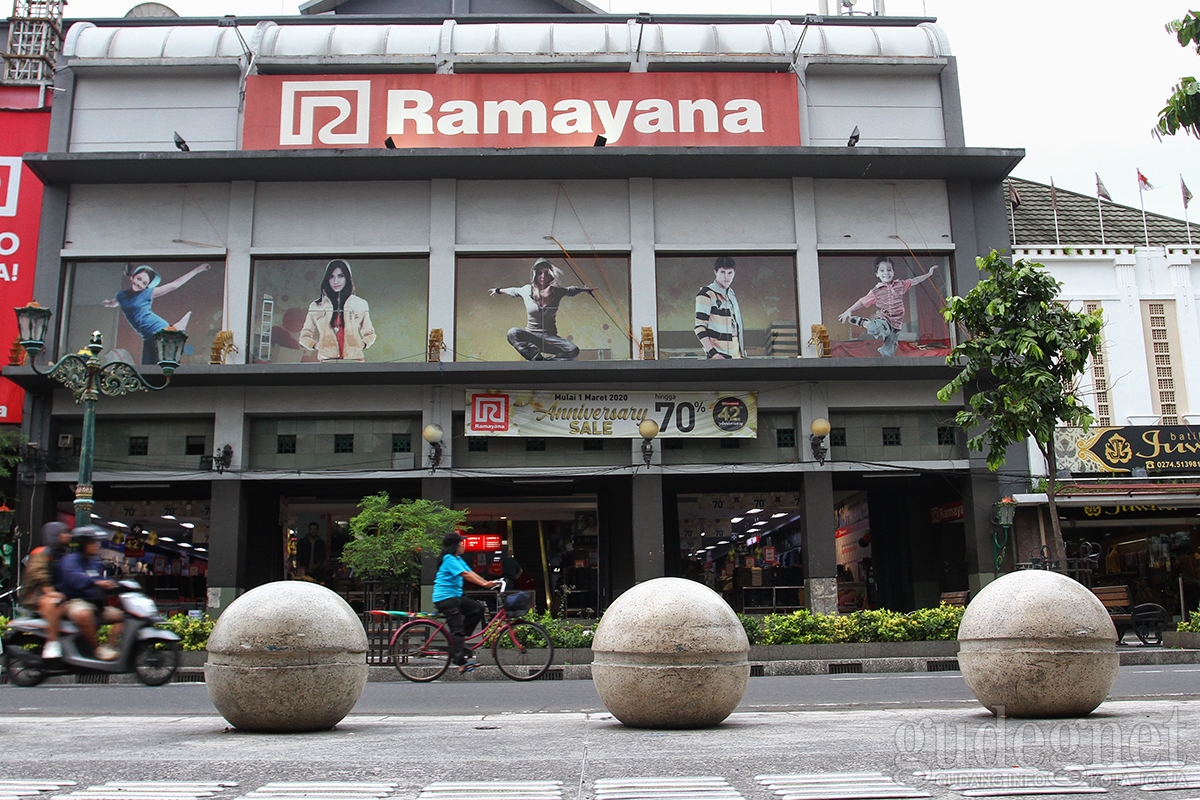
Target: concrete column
(818, 545)
(642, 274)
(238, 280)
(648, 557)
(442, 220)
(227, 542)
(439, 489)
(980, 493)
(808, 283)
(1127, 353)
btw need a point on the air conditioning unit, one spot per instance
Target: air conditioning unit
(65, 440)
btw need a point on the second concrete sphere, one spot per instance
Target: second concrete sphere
(287, 656)
(1038, 644)
(670, 653)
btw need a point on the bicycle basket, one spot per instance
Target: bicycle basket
(517, 604)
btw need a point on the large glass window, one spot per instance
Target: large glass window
(720, 306)
(130, 301)
(885, 305)
(339, 309)
(579, 311)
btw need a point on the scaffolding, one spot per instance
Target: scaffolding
(34, 39)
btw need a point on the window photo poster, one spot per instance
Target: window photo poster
(130, 301)
(543, 308)
(339, 310)
(885, 305)
(726, 305)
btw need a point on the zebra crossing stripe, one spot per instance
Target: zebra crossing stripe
(703, 787)
(492, 790)
(838, 786)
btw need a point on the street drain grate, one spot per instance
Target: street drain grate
(492, 790)
(680, 788)
(757, 671)
(838, 786)
(948, 665)
(853, 667)
(101, 678)
(550, 675)
(188, 676)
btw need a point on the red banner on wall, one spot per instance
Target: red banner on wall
(20, 214)
(752, 109)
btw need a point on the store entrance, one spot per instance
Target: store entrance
(549, 546)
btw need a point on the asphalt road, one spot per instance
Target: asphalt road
(448, 697)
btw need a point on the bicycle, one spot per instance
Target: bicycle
(521, 648)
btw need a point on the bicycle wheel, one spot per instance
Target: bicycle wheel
(421, 651)
(523, 650)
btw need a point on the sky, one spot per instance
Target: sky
(1078, 85)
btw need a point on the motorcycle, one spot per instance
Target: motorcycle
(149, 652)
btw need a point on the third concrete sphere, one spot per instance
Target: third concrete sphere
(1038, 644)
(670, 653)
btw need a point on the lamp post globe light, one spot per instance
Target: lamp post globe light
(87, 379)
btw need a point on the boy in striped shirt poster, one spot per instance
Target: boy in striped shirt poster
(888, 298)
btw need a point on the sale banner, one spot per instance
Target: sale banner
(24, 131)
(611, 415)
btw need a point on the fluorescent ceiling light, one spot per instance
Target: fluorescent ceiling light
(188, 525)
(723, 541)
(184, 544)
(118, 524)
(755, 511)
(779, 514)
(165, 539)
(168, 516)
(736, 520)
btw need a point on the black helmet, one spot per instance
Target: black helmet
(88, 533)
(51, 531)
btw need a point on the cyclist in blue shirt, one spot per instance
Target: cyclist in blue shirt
(462, 613)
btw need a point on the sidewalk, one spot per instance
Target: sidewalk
(584, 756)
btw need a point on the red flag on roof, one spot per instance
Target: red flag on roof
(1014, 199)
(1143, 182)
(1101, 189)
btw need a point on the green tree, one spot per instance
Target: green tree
(387, 541)
(1183, 107)
(1019, 369)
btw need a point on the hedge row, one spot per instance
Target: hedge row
(804, 627)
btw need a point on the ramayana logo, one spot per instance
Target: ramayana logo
(411, 111)
(345, 97)
(10, 185)
(489, 412)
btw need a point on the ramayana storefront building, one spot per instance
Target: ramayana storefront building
(361, 205)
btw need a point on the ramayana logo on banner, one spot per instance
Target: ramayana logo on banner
(556, 110)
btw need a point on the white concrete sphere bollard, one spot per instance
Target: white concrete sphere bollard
(1038, 644)
(670, 653)
(286, 656)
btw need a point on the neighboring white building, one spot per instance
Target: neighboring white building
(1129, 483)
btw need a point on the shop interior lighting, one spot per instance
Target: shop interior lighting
(736, 520)
(118, 524)
(165, 539)
(188, 525)
(184, 544)
(201, 549)
(778, 514)
(723, 541)
(95, 516)
(755, 511)
(168, 516)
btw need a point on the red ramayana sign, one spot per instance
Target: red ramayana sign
(753, 109)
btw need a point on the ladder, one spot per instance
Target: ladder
(264, 328)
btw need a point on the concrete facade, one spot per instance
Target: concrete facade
(117, 191)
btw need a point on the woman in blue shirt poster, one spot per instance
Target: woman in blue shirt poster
(462, 613)
(136, 303)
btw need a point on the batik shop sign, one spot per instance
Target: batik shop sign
(611, 415)
(714, 109)
(1157, 449)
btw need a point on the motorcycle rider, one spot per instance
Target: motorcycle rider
(82, 582)
(41, 575)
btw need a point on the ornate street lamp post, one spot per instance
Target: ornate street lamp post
(87, 379)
